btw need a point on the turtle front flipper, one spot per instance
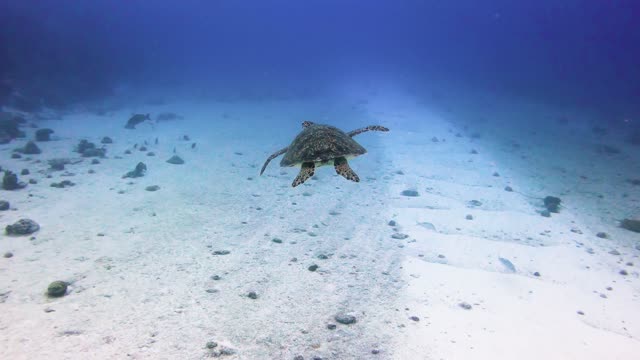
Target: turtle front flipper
(273, 156)
(368, 128)
(306, 171)
(343, 169)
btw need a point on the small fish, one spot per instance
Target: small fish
(193, 146)
(136, 119)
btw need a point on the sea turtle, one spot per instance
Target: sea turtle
(319, 145)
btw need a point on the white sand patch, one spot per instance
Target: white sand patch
(452, 260)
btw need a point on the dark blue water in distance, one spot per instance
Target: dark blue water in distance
(570, 53)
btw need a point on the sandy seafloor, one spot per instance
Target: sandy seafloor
(143, 288)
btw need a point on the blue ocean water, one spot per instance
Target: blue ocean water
(498, 216)
(570, 53)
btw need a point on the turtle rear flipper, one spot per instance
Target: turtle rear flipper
(273, 156)
(343, 169)
(368, 128)
(306, 171)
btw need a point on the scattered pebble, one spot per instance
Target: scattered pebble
(8, 254)
(152, 188)
(277, 241)
(614, 252)
(410, 193)
(43, 134)
(176, 160)
(469, 217)
(22, 227)
(552, 203)
(221, 252)
(331, 326)
(313, 267)
(537, 274)
(10, 181)
(399, 236)
(624, 272)
(602, 235)
(631, 225)
(414, 318)
(139, 171)
(62, 184)
(30, 149)
(508, 188)
(345, 319)
(89, 149)
(392, 223)
(465, 305)
(57, 289)
(4, 205)
(252, 295)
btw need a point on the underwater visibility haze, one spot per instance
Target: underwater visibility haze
(282, 179)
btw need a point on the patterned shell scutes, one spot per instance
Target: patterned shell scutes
(320, 143)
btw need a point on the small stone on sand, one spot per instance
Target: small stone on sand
(345, 319)
(176, 160)
(57, 289)
(22, 227)
(410, 193)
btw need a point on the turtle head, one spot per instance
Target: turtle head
(306, 124)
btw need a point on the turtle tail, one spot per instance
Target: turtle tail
(273, 156)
